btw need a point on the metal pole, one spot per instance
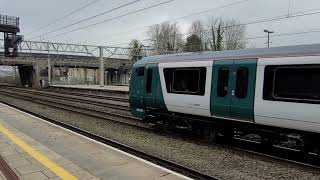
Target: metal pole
(101, 67)
(269, 32)
(14, 74)
(268, 39)
(49, 65)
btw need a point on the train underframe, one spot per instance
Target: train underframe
(212, 129)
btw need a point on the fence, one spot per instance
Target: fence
(9, 20)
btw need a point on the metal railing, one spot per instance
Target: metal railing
(84, 50)
(9, 20)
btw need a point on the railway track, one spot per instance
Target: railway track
(108, 102)
(114, 114)
(46, 98)
(160, 161)
(104, 97)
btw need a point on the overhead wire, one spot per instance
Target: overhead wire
(185, 16)
(286, 34)
(288, 16)
(276, 18)
(257, 37)
(89, 18)
(61, 18)
(111, 19)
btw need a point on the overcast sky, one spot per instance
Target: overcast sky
(37, 13)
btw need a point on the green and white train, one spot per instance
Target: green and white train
(273, 91)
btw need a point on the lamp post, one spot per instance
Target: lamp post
(269, 32)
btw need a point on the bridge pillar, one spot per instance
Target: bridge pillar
(25, 73)
(101, 67)
(95, 76)
(32, 75)
(40, 75)
(85, 74)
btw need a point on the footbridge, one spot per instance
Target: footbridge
(37, 60)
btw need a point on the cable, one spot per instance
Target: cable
(286, 34)
(208, 10)
(182, 17)
(57, 20)
(111, 19)
(257, 37)
(274, 35)
(277, 18)
(297, 14)
(86, 19)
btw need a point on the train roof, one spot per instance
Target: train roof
(298, 50)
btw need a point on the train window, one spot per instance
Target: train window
(242, 82)
(168, 78)
(140, 71)
(293, 83)
(223, 80)
(149, 80)
(185, 80)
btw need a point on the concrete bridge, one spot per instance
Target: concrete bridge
(37, 61)
(64, 60)
(33, 67)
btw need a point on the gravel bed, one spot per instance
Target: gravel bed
(103, 92)
(87, 106)
(108, 101)
(213, 160)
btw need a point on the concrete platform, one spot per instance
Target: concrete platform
(36, 149)
(107, 88)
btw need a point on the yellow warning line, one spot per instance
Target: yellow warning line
(63, 174)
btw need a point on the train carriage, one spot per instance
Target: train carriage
(270, 90)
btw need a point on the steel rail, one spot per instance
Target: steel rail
(77, 98)
(129, 120)
(251, 149)
(156, 160)
(120, 99)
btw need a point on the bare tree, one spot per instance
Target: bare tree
(215, 33)
(166, 36)
(197, 28)
(234, 35)
(225, 34)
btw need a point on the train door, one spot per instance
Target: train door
(221, 85)
(233, 89)
(243, 89)
(149, 85)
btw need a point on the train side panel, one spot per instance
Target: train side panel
(288, 93)
(186, 86)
